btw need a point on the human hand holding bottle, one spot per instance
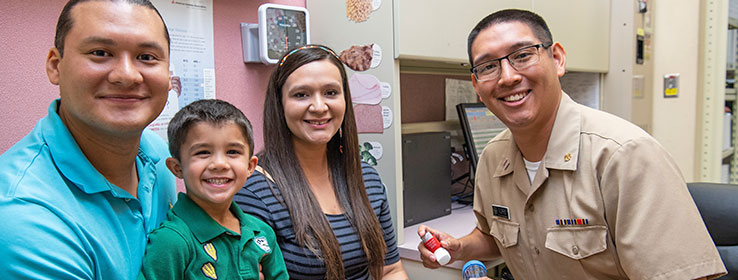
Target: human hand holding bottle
(447, 242)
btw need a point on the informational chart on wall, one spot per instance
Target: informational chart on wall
(362, 57)
(359, 10)
(582, 87)
(190, 26)
(458, 91)
(367, 91)
(361, 32)
(366, 94)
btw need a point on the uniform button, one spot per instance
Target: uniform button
(535, 249)
(575, 250)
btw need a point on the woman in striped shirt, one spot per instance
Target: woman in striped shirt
(329, 211)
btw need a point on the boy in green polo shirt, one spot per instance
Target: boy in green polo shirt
(205, 234)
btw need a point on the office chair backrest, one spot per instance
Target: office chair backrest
(718, 206)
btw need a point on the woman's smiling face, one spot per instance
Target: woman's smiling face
(314, 103)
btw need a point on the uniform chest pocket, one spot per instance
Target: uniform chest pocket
(577, 242)
(505, 231)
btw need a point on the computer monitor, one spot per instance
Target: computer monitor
(479, 126)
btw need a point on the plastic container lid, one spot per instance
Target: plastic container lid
(442, 256)
(474, 269)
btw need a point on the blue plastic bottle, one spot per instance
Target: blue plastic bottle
(474, 269)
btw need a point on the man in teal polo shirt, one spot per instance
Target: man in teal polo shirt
(80, 193)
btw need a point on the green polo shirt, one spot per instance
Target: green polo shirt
(189, 244)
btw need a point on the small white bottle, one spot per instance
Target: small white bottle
(430, 242)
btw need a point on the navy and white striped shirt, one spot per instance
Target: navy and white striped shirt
(257, 199)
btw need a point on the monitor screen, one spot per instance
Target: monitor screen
(479, 126)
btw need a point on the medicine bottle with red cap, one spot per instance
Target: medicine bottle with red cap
(430, 242)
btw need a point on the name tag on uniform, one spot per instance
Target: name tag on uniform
(501, 211)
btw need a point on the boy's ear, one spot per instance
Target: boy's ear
(175, 167)
(253, 161)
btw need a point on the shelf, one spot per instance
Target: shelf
(427, 66)
(460, 222)
(732, 23)
(730, 94)
(420, 127)
(728, 152)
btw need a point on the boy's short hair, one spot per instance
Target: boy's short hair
(212, 111)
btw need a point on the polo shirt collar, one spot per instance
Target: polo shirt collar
(563, 146)
(201, 224)
(149, 151)
(68, 156)
(74, 165)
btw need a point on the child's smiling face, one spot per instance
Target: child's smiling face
(214, 163)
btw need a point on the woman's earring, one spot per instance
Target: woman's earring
(340, 139)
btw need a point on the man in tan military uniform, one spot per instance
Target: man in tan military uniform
(569, 192)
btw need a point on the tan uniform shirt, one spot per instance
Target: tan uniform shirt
(620, 200)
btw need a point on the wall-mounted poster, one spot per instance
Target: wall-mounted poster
(192, 66)
(360, 58)
(359, 10)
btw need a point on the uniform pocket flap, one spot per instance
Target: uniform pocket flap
(577, 242)
(505, 231)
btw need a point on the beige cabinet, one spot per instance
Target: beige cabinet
(437, 30)
(583, 28)
(433, 30)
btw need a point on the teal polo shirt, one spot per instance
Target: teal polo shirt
(61, 219)
(191, 245)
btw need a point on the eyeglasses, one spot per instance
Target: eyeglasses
(519, 59)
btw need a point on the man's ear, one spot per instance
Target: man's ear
(170, 82)
(174, 166)
(52, 65)
(474, 84)
(559, 57)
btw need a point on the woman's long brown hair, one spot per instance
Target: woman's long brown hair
(279, 159)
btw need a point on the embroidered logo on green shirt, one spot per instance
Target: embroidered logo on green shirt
(209, 271)
(261, 241)
(210, 250)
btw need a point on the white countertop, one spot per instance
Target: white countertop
(459, 223)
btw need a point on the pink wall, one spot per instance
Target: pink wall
(242, 84)
(27, 29)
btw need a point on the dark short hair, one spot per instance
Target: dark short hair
(212, 111)
(64, 24)
(531, 19)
